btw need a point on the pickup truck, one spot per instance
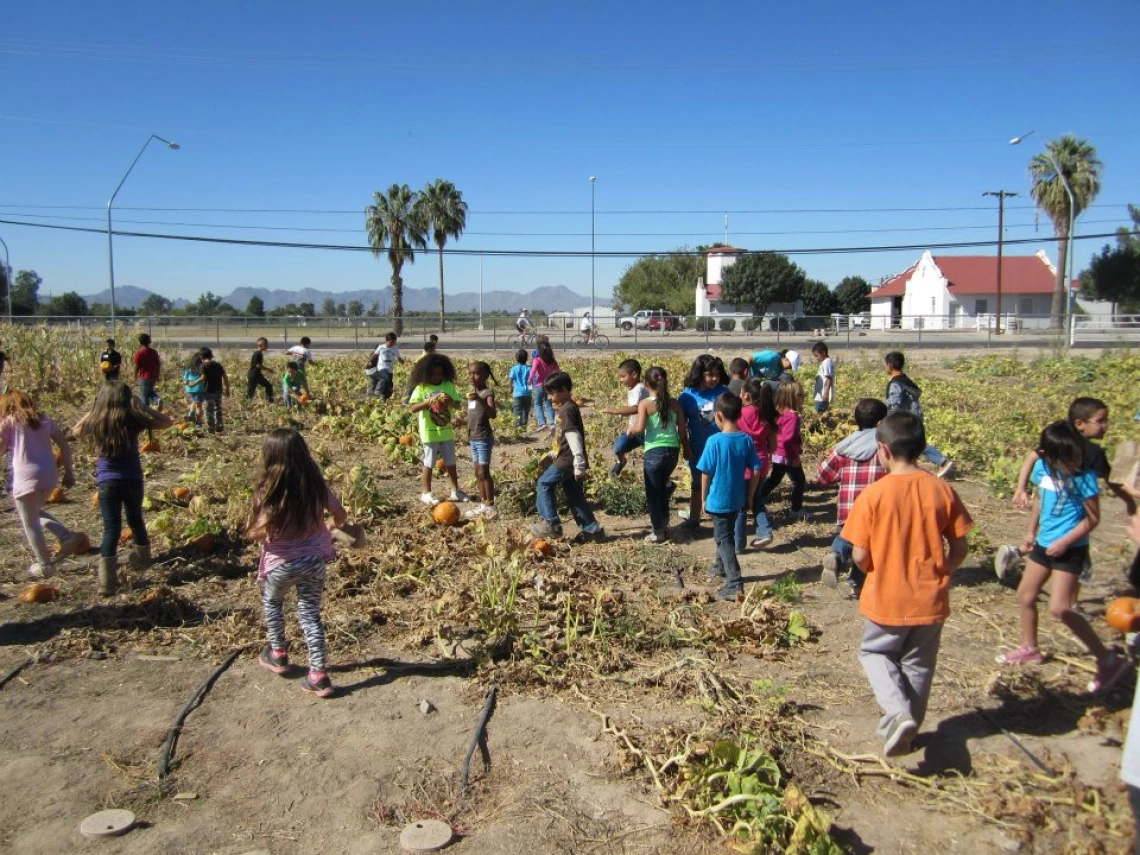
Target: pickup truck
(651, 319)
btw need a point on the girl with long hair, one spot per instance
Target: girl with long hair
(662, 421)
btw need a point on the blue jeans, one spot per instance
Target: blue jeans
(625, 443)
(842, 548)
(114, 496)
(548, 483)
(147, 393)
(723, 527)
(763, 524)
(543, 409)
(659, 464)
(822, 406)
(934, 455)
(521, 405)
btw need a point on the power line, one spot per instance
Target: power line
(536, 253)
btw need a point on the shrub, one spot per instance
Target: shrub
(752, 324)
(727, 324)
(706, 324)
(779, 323)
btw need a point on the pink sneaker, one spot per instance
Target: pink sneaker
(1022, 656)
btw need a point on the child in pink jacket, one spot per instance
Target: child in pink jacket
(789, 448)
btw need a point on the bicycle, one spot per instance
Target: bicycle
(528, 338)
(599, 341)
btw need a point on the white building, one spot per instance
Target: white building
(709, 302)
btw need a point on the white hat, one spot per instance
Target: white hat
(794, 359)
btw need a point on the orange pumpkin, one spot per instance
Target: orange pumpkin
(439, 467)
(407, 439)
(1123, 614)
(542, 547)
(204, 543)
(83, 547)
(126, 535)
(445, 513)
(151, 446)
(181, 493)
(303, 398)
(39, 592)
(58, 457)
(57, 495)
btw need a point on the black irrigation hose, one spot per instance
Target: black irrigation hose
(479, 737)
(4, 680)
(176, 728)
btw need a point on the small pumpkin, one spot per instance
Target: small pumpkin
(1123, 614)
(57, 495)
(542, 547)
(151, 446)
(407, 439)
(204, 543)
(39, 592)
(84, 545)
(439, 467)
(183, 425)
(181, 493)
(303, 398)
(445, 513)
(126, 535)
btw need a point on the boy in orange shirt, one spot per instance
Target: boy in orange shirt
(908, 530)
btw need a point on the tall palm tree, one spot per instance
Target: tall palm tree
(444, 215)
(1076, 160)
(395, 228)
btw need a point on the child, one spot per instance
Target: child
(542, 366)
(897, 528)
(758, 420)
(433, 398)
(629, 375)
(1090, 418)
(481, 410)
(112, 428)
(568, 468)
(738, 371)
(28, 435)
(110, 361)
(726, 455)
(301, 353)
(824, 379)
(903, 395)
(1066, 508)
(1130, 759)
(195, 385)
(216, 381)
(661, 421)
(789, 448)
(387, 355)
(854, 465)
(256, 375)
(521, 398)
(428, 350)
(290, 500)
(706, 381)
(148, 370)
(294, 390)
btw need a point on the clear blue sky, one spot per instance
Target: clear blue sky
(769, 112)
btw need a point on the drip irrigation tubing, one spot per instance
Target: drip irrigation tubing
(479, 737)
(4, 680)
(176, 729)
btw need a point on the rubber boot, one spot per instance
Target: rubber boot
(108, 576)
(140, 557)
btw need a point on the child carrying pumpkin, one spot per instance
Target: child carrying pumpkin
(289, 505)
(433, 397)
(1066, 508)
(28, 435)
(112, 428)
(481, 409)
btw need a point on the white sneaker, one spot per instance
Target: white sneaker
(38, 571)
(475, 512)
(459, 496)
(429, 500)
(945, 469)
(1005, 562)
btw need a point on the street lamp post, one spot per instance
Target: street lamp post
(1069, 242)
(111, 201)
(593, 311)
(7, 278)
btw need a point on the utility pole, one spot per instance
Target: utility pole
(1002, 195)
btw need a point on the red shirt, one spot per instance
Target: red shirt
(854, 476)
(147, 363)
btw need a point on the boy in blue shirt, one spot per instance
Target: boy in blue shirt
(724, 492)
(521, 396)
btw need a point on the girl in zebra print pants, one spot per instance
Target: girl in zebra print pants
(289, 506)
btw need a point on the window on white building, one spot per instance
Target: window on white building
(1025, 306)
(981, 307)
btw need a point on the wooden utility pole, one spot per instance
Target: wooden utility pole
(1001, 197)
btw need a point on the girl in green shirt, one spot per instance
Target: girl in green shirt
(662, 421)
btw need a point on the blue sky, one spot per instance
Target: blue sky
(803, 122)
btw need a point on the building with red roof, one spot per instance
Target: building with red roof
(960, 292)
(709, 302)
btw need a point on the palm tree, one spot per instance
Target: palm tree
(396, 228)
(1065, 159)
(444, 215)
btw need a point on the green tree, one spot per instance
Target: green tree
(26, 292)
(663, 282)
(853, 294)
(1114, 273)
(1075, 161)
(306, 310)
(207, 304)
(255, 307)
(355, 308)
(68, 304)
(155, 304)
(819, 300)
(444, 215)
(396, 230)
(761, 279)
(328, 307)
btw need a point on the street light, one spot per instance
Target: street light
(7, 278)
(1072, 217)
(593, 311)
(111, 201)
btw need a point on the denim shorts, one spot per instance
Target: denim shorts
(481, 451)
(197, 397)
(444, 451)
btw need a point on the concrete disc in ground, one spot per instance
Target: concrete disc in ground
(107, 823)
(426, 835)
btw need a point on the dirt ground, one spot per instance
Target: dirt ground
(261, 766)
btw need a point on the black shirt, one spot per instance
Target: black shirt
(213, 372)
(1097, 460)
(114, 358)
(257, 362)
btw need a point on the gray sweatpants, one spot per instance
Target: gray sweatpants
(899, 661)
(35, 519)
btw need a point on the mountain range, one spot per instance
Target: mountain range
(548, 298)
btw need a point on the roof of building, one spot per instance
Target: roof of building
(977, 274)
(725, 250)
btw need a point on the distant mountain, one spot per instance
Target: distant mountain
(549, 298)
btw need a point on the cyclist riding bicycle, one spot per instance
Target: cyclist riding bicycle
(523, 325)
(588, 328)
